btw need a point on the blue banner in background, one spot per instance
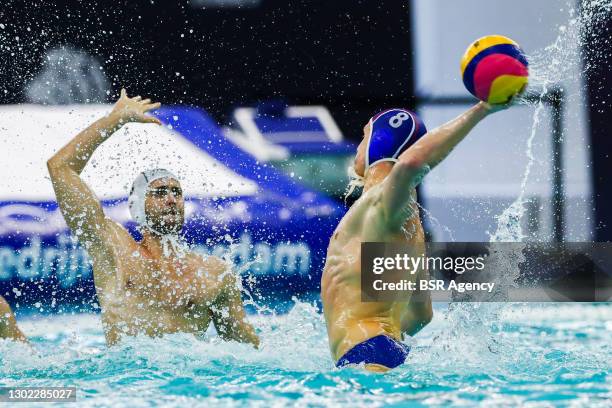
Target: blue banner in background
(277, 238)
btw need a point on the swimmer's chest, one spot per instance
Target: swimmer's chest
(139, 315)
(161, 297)
(168, 284)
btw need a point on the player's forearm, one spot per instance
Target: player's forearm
(419, 319)
(438, 143)
(11, 331)
(79, 150)
(241, 332)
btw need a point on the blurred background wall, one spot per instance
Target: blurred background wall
(355, 58)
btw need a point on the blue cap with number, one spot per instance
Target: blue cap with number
(392, 132)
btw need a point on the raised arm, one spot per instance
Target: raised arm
(423, 156)
(79, 205)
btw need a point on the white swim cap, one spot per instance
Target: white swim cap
(136, 200)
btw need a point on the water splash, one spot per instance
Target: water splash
(509, 227)
(539, 354)
(173, 245)
(549, 68)
(69, 76)
(436, 222)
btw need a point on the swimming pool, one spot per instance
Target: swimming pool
(537, 355)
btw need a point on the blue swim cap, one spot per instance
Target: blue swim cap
(392, 132)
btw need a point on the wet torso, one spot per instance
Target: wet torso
(139, 294)
(349, 321)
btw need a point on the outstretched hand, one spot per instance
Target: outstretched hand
(134, 109)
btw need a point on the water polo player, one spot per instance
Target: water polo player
(395, 154)
(153, 286)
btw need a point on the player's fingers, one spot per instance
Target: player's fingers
(123, 93)
(512, 100)
(152, 119)
(516, 97)
(137, 98)
(146, 101)
(152, 106)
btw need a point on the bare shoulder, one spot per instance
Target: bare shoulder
(210, 262)
(212, 265)
(214, 271)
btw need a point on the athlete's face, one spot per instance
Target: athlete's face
(165, 206)
(359, 163)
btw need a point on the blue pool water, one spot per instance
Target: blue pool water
(536, 355)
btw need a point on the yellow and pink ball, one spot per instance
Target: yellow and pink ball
(494, 69)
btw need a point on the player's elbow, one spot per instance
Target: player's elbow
(52, 165)
(419, 319)
(5, 309)
(426, 316)
(56, 168)
(252, 338)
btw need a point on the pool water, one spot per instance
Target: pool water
(536, 355)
